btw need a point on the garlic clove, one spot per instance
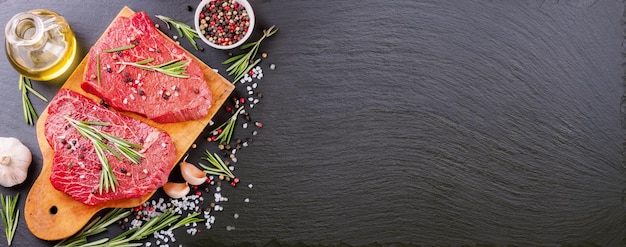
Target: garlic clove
(192, 174)
(176, 190)
(15, 158)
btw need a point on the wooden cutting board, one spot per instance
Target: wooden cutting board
(51, 214)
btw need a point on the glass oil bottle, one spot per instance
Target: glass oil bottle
(40, 44)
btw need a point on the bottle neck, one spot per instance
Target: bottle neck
(26, 30)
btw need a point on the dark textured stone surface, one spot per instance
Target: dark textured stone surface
(415, 122)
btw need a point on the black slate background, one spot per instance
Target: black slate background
(412, 122)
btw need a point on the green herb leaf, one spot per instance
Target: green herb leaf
(98, 67)
(175, 67)
(25, 87)
(108, 181)
(121, 48)
(153, 225)
(245, 62)
(10, 215)
(96, 226)
(233, 58)
(219, 167)
(182, 28)
(228, 128)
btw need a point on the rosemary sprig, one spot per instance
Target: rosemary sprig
(175, 68)
(153, 225)
(98, 67)
(243, 63)
(25, 86)
(94, 227)
(10, 215)
(157, 223)
(97, 137)
(229, 127)
(182, 28)
(121, 48)
(219, 169)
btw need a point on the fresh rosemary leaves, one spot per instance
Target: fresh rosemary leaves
(10, 215)
(127, 238)
(94, 227)
(219, 169)
(98, 138)
(25, 86)
(228, 127)
(175, 67)
(182, 28)
(98, 68)
(121, 48)
(243, 63)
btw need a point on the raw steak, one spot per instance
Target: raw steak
(160, 97)
(76, 168)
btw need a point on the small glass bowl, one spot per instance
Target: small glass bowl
(248, 8)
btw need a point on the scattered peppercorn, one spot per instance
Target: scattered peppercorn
(104, 103)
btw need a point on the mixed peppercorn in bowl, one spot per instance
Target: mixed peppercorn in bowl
(224, 24)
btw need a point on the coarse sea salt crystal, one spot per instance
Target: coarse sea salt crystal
(246, 200)
(250, 186)
(272, 66)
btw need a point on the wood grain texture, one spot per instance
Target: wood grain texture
(52, 214)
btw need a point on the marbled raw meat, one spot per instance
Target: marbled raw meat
(76, 168)
(160, 97)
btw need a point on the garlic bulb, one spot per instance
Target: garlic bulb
(15, 158)
(192, 174)
(176, 190)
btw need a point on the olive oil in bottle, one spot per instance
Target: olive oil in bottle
(40, 44)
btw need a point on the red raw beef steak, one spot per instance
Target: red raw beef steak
(76, 167)
(157, 96)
